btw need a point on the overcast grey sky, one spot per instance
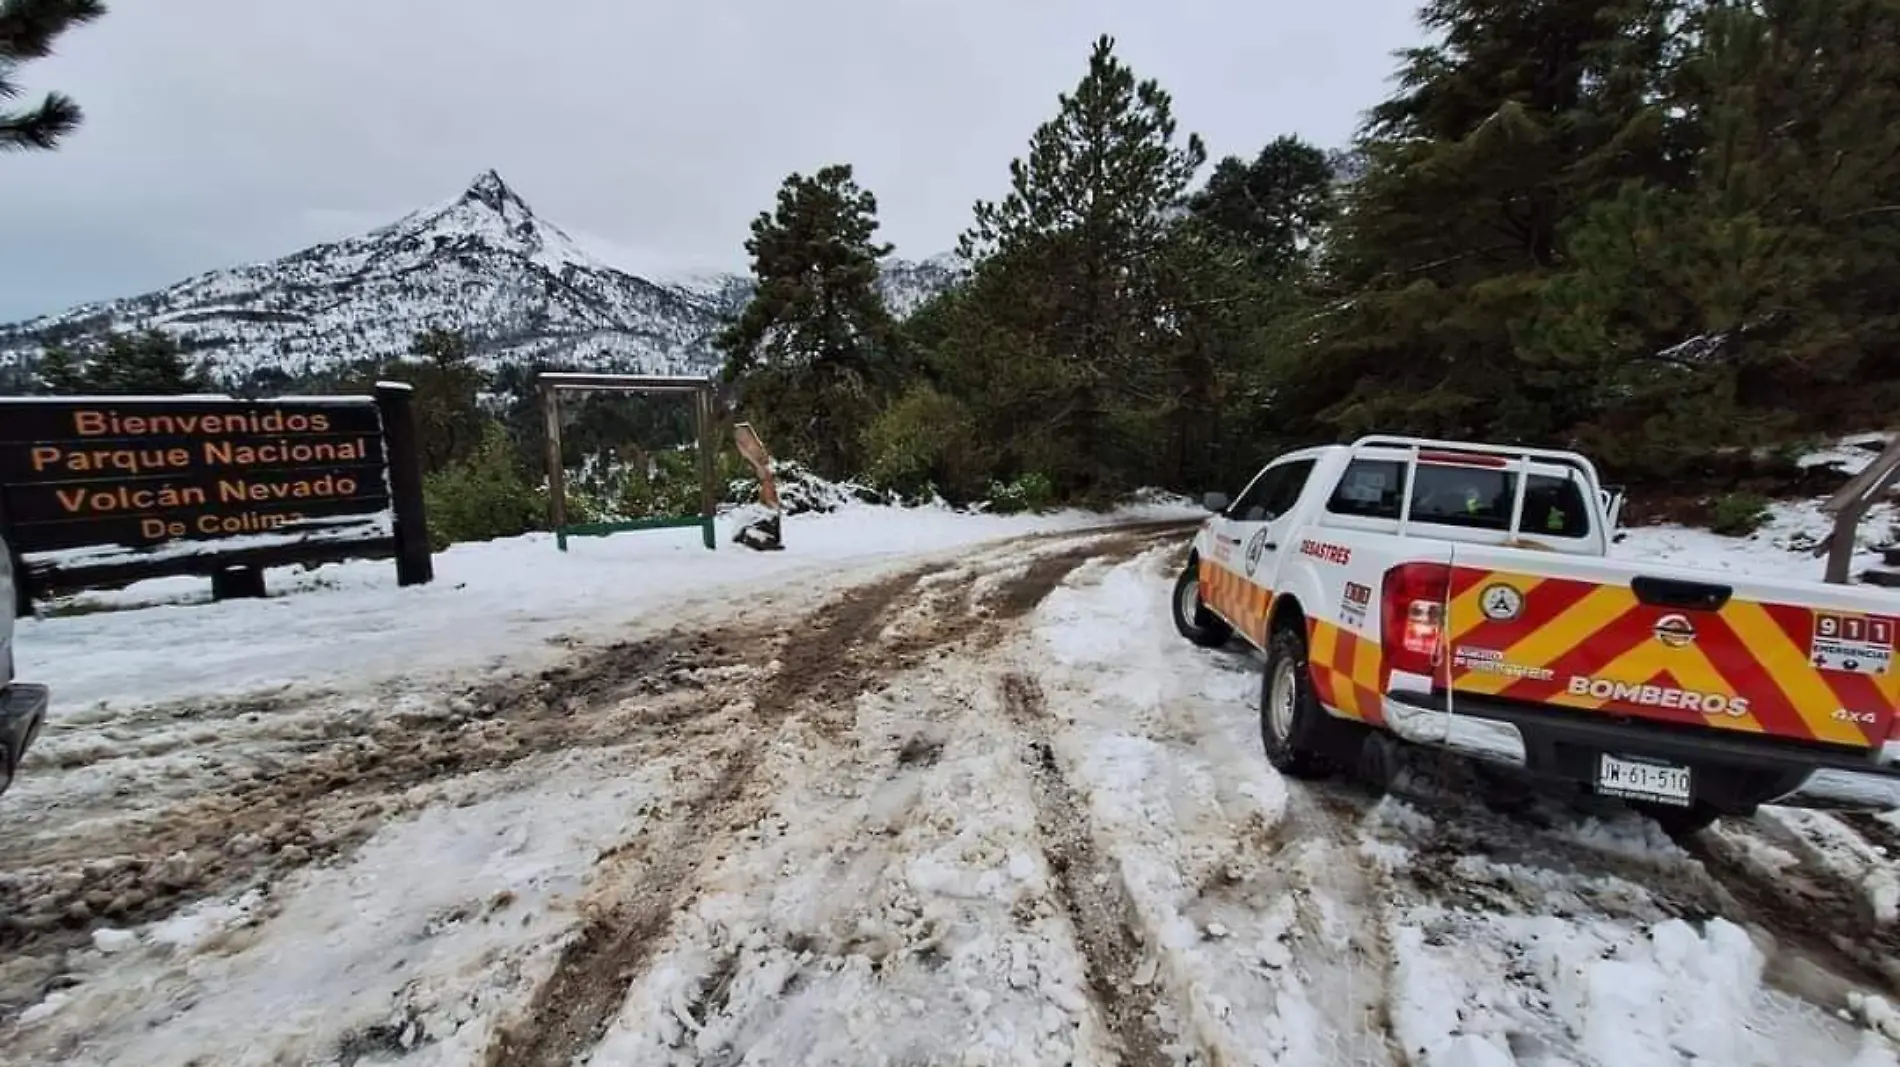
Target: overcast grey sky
(227, 131)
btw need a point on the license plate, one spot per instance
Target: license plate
(1665, 783)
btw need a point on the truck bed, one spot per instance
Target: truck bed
(1795, 661)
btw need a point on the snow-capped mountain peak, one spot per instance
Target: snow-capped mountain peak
(519, 287)
(491, 212)
(489, 189)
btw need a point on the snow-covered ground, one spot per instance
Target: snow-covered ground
(510, 600)
(922, 788)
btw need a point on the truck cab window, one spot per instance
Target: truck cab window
(1554, 507)
(1476, 497)
(1472, 497)
(1273, 493)
(1251, 505)
(1370, 488)
(1285, 484)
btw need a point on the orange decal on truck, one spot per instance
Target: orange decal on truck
(1242, 603)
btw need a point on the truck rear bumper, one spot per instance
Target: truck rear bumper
(1736, 771)
(22, 712)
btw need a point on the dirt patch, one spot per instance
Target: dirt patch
(919, 752)
(1090, 890)
(333, 797)
(1021, 596)
(829, 658)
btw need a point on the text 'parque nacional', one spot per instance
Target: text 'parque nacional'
(144, 472)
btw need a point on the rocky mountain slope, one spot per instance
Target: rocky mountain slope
(484, 263)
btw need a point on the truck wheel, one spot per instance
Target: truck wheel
(1292, 724)
(1191, 616)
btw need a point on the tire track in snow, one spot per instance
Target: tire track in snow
(825, 665)
(1239, 903)
(1121, 973)
(1504, 928)
(1807, 910)
(1356, 984)
(1877, 831)
(1490, 850)
(571, 1010)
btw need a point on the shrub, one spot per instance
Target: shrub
(1739, 514)
(1027, 492)
(614, 488)
(482, 497)
(924, 443)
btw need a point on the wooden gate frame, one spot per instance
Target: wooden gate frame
(554, 383)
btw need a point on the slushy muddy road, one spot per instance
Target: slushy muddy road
(976, 809)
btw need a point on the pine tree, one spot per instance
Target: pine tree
(447, 385)
(28, 29)
(1747, 293)
(1276, 205)
(1066, 263)
(815, 350)
(147, 363)
(59, 371)
(1499, 135)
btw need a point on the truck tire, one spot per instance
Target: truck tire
(1191, 616)
(1293, 726)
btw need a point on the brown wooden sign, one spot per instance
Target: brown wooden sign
(140, 472)
(185, 475)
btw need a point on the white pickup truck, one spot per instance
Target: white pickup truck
(1462, 596)
(22, 706)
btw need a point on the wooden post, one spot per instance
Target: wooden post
(234, 583)
(414, 564)
(708, 467)
(557, 471)
(1840, 548)
(22, 594)
(22, 584)
(1850, 503)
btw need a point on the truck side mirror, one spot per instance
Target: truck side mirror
(1215, 502)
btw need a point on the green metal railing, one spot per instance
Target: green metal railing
(666, 522)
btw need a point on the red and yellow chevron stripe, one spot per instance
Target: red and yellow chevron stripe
(1759, 652)
(1347, 671)
(1233, 597)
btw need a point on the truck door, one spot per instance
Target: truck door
(1247, 544)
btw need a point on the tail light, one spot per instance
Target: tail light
(1412, 614)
